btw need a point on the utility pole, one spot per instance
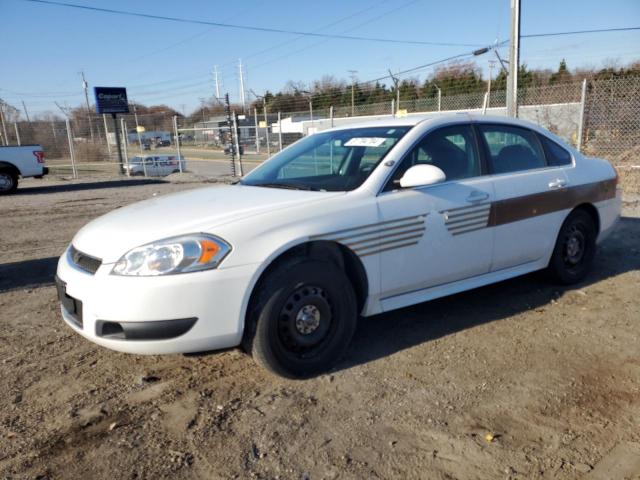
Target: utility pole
(352, 74)
(26, 112)
(242, 99)
(215, 78)
(514, 61)
(85, 86)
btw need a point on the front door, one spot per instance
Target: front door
(436, 234)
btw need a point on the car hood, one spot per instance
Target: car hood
(202, 210)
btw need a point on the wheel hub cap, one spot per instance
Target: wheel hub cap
(5, 181)
(308, 319)
(305, 319)
(574, 247)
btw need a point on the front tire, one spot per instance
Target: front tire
(8, 182)
(575, 249)
(303, 319)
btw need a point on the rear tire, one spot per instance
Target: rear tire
(574, 250)
(8, 182)
(303, 319)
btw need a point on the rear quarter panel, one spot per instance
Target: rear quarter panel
(607, 198)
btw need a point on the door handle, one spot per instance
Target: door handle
(558, 183)
(477, 196)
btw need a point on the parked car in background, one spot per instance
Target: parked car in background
(349, 222)
(20, 161)
(154, 165)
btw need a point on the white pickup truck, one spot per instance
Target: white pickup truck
(23, 161)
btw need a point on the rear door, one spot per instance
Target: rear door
(527, 210)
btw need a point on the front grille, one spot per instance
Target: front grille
(83, 261)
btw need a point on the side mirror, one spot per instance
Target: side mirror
(421, 175)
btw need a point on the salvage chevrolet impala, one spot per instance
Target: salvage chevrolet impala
(343, 224)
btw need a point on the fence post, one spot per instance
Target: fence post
(331, 115)
(106, 133)
(583, 101)
(266, 121)
(125, 142)
(5, 139)
(439, 100)
(15, 124)
(485, 101)
(280, 129)
(255, 117)
(71, 152)
(175, 129)
(393, 106)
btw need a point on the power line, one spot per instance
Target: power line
(288, 54)
(580, 32)
(248, 27)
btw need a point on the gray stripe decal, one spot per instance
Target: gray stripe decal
(469, 211)
(380, 237)
(467, 218)
(371, 252)
(470, 221)
(457, 210)
(468, 228)
(387, 240)
(355, 230)
(373, 233)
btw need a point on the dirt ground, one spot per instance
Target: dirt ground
(517, 380)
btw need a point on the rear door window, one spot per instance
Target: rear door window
(512, 149)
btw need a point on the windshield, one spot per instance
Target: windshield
(331, 161)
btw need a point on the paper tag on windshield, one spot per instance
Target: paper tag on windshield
(365, 142)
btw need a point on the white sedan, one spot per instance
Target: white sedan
(346, 223)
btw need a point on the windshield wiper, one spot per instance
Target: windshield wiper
(288, 186)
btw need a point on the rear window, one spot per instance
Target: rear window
(556, 155)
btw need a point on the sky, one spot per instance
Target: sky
(162, 62)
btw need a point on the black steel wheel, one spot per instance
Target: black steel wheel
(303, 319)
(8, 182)
(575, 248)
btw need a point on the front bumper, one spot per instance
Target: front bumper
(181, 313)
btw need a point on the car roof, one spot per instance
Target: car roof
(435, 119)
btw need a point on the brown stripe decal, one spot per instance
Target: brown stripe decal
(521, 208)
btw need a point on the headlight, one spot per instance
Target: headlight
(188, 253)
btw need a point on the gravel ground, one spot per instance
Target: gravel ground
(522, 379)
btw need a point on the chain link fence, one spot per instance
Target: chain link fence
(605, 122)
